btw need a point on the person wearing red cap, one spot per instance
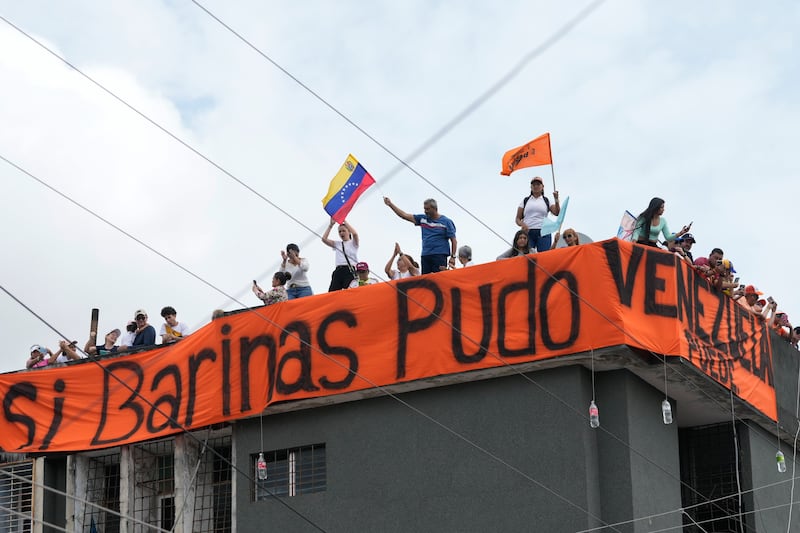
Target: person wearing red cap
(750, 300)
(362, 273)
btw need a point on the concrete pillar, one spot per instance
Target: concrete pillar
(187, 451)
(38, 494)
(77, 467)
(127, 487)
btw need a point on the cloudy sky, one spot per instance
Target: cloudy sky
(695, 102)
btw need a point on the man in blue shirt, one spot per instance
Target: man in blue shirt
(145, 333)
(437, 230)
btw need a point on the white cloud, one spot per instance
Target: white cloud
(686, 101)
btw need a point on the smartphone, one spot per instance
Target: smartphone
(255, 282)
(736, 280)
(741, 287)
(770, 299)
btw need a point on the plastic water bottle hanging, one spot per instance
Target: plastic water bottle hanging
(261, 467)
(594, 415)
(666, 411)
(781, 460)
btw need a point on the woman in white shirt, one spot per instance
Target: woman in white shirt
(346, 252)
(406, 266)
(297, 268)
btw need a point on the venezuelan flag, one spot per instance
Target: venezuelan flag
(345, 188)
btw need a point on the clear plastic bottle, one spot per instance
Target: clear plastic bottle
(594, 415)
(666, 411)
(261, 467)
(781, 460)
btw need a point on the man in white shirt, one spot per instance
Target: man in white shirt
(171, 329)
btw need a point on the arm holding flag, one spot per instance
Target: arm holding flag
(326, 236)
(399, 212)
(556, 207)
(549, 226)
(352, 230)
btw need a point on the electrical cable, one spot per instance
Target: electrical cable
(43, 522)
(481, 99)
(682, 509)
(238, 181)
(191, 481)
(84, 501)
(183, 429)
(207, 283)
(259, 195)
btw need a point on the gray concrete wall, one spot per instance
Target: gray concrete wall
(786, 366)
(771, 490)
(639, 454)
(391, 469)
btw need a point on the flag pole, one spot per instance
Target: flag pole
(552, 167)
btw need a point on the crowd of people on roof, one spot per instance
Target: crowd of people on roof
(139, 333)
(719, 271)
(440, 251)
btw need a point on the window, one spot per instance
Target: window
(708, 470)
(16, 493)
(291, 472)
(213, 501)
(102, 487)
(154, 475)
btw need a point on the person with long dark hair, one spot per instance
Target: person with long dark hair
(277, 293)
(297, 267)
(651, 222)
(521, 246)
(533, 211)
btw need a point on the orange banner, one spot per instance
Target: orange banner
(596, 295)
(535, 153)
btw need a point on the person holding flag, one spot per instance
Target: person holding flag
(437, 230)
(346, 186)
(532, 212)
(346, 251)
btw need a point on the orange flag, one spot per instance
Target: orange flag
(533, 154)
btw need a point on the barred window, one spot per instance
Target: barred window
(291, 472)
(213, 499)
(102, 487)
(16, 495)
(154, 475)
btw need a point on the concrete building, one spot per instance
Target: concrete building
(501, 448)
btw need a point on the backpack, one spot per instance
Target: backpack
(525, 202)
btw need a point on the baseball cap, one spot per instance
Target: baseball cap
(686, 237)
(140, 312)
(537, 178)
(37, 348)
(362, 267)
(750, 289)
(728, 265)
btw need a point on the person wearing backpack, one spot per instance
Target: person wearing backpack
(531, 213)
